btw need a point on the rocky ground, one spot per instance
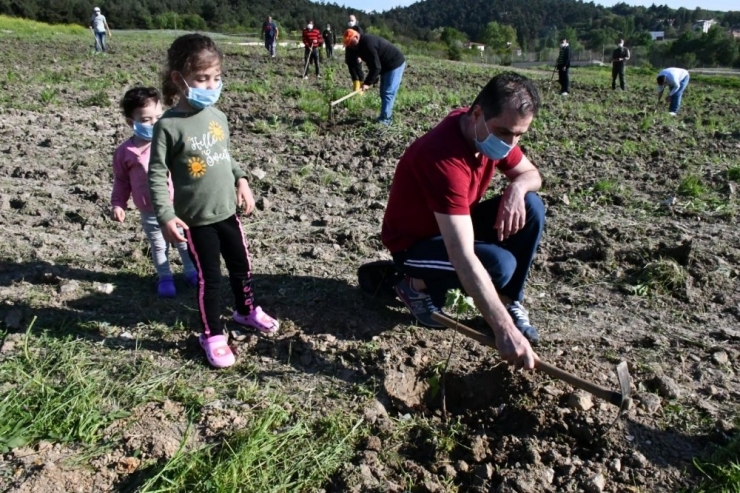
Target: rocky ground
(639, 262)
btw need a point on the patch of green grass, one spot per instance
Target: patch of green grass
(733, 173)
(57, 77)
(25, 27)
(313, 104)
(605, 185)
(58, 389)
(99, 99)
(277, 451)
(722, 470)
(259, 87)
(48, 96)
(308, 128)
(661, 276)
(691, 186)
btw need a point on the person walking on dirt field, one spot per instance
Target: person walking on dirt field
(676, 79)
(270, 32)
(312, 41)
(563, 66)
(441, 235)
(99, 26)
(385, 62)
(330, 39)
(619, 60)
(352, 59)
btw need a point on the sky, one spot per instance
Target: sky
(381, 5)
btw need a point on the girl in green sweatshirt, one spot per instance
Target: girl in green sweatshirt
(191, 144)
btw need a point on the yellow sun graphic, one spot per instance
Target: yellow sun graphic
(216, 131)
(197, 167)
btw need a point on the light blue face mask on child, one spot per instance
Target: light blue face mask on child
(492, 147)
(203, 98)
(143, 131)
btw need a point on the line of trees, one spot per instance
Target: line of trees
(217, 15)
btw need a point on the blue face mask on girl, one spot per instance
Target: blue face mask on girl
(203, 98)
(492, 147)
(143, 131)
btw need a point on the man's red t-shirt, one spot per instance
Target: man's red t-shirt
(439, 172)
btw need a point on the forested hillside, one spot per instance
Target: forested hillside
(225, 15)
(545, 20)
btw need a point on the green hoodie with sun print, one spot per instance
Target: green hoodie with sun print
(194, 149)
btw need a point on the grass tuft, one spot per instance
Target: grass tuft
(276, 452)
(663, 276)
(722, 470)
(691, 186)
(733, 173)
(61, 390)
(99, 99)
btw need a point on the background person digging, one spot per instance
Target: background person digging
(384, 62)
(442, 237)
(352, 59)
(677, 80)
(312, 41)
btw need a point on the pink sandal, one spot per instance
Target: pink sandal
(259, 320)
(217, 350)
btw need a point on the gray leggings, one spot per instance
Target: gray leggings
(160, 248)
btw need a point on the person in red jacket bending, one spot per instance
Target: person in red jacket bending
(312, 41)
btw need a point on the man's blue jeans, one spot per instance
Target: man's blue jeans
(100, 41)
(507, 262)
(389, 84)
(676, 98)
(270, 46)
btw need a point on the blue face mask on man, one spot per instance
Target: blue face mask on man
(143, 131)
(492, 147)
(203, 98)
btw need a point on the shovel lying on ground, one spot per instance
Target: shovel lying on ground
(343, 98)
(620, 399)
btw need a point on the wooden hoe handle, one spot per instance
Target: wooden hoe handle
(610, 396)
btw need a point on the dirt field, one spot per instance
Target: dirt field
(639, 262)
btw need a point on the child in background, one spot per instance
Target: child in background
(142, 107)
(191, 142)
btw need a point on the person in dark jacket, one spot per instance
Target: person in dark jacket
(330, 39)
(312, 40)
(619, 60)
(384, 62)
(353, 61)
(563, 64)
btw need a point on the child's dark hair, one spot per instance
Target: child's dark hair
(188, 53)
(137, 98)
(661, 79)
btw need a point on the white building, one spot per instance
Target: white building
(703, 25)
(657, 35)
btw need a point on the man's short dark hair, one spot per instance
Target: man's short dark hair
(661, 79)
(508, 90)
(138, 97)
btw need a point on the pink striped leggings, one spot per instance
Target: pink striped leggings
(206, 245)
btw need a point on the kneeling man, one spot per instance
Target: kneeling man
(440, 233)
